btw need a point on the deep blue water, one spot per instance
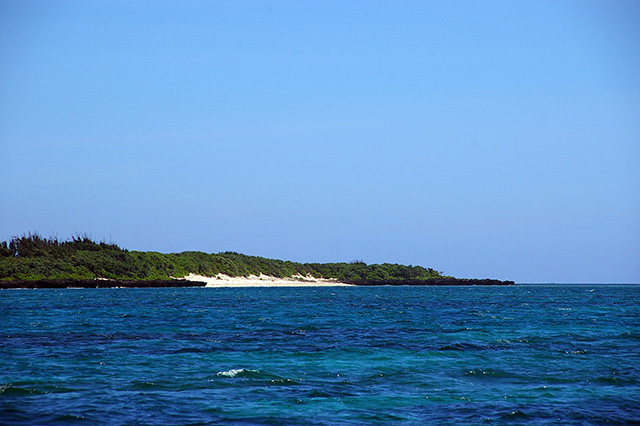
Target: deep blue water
(537, 355)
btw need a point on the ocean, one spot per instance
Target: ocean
(526, 355)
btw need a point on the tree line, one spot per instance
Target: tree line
(33, 257)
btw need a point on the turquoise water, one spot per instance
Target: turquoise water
(536, 355)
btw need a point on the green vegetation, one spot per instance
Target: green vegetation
(32, 257)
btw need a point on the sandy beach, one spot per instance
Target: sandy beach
(222, 280)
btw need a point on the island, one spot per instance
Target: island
(32, 261)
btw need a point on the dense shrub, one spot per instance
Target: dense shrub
(31, 257)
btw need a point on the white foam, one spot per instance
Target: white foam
(234, 372)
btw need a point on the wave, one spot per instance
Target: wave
(464, 347)
(240, 372)
(18, 390)
(493, 373)
(261, 378)
(11, 390)
(515, 415)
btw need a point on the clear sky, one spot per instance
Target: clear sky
(494, 139)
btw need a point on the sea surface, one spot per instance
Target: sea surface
(526, 355)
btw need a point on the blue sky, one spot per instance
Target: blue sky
(484, 139)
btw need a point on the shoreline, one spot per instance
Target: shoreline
(222, 280)
(65, 283)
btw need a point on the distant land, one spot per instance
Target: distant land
(31, 261)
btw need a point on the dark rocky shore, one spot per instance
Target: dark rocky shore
(433, 281)
(77, 283)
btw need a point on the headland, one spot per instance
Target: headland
(32, 261)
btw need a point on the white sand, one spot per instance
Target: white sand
(222, 280)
